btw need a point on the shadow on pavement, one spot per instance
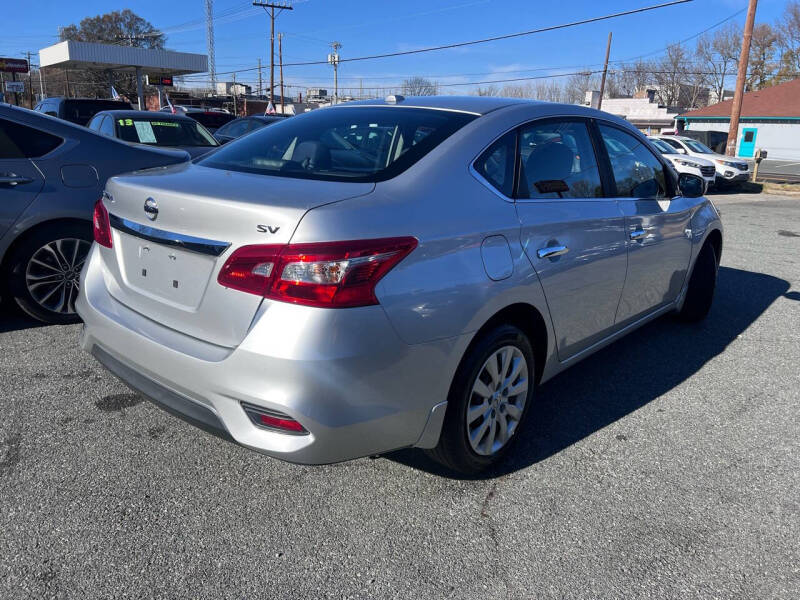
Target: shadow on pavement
(629, 374)
(12, 320)
(745, 187)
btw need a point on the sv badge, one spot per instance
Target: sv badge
(267, 228)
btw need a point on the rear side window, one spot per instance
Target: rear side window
(496, 164)
(557, 160)
(637, 171)
(20, 141)
(356, 144)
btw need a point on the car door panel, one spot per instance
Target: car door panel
(15, 195)
(573, 235)
(658, 235)
(583, 285)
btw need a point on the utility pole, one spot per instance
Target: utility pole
(260, 87)
(280, 60)
(333, 59)
(233, 91)
(270, 8)
(605, 72)
(736, 111)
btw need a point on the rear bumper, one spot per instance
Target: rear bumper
(345, 375)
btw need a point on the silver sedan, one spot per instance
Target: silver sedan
(389, 274)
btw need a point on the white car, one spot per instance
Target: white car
(729, 169)
(701, 167)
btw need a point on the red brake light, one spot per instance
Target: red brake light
(101, 224)
(325, 274)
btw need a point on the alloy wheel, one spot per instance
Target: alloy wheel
(497, 400)
(53, 274)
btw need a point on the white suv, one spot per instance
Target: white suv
(684, 164)
(729, 169)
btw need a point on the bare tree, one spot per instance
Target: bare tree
(490, 90)
(627, 79)
(718, 55)
(578, 84)
(762, 57)
(789, 38)
(419, 86)
(125, 28)
(669, 74)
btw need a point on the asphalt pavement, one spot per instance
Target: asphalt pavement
(665, 466)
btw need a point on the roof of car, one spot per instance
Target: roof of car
(479, 105)
(130, 114)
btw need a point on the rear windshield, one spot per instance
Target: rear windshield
(341, 144)
(158, 131)
(80, 111)
(211, 119)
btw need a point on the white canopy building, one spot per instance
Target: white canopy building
(110, 57)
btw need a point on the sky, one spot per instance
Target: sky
(367, 27)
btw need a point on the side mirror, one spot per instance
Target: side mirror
(680, 150)
(691, 186)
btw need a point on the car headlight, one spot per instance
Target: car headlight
(726, 163)
(688, 163)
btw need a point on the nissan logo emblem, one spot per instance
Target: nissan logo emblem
(151, 209)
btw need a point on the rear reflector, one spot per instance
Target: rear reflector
(101, 224)
(326, 274)
(270, 419)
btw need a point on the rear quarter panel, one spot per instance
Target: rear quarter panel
(441, 290)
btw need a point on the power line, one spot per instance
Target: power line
(501, 37)
(483, 40)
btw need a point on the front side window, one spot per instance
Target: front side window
(496, 164)
(637, 171)
(20, 141)
(158, 132)
(341, 144)
(557, 160)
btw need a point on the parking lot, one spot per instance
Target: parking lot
(665, 466)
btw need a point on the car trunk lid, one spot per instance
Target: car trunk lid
(174, 228)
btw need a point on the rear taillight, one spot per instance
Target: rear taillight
(326, 274)
(101, 224)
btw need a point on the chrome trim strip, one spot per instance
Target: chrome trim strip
(168, 238)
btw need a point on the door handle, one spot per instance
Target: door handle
(551, 251)
(13, 179)
(638, 234)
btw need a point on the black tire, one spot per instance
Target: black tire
(454, 450)
(702, 284)
(74, 240)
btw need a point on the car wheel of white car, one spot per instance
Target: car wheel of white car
(488, 401)
(45, 272)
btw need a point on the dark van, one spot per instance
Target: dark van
(78, 110)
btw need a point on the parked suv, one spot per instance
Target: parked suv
(729, 169)
(78, 110)
(695, 165)
(389, 274)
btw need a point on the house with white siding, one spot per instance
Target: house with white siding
(770, 120)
